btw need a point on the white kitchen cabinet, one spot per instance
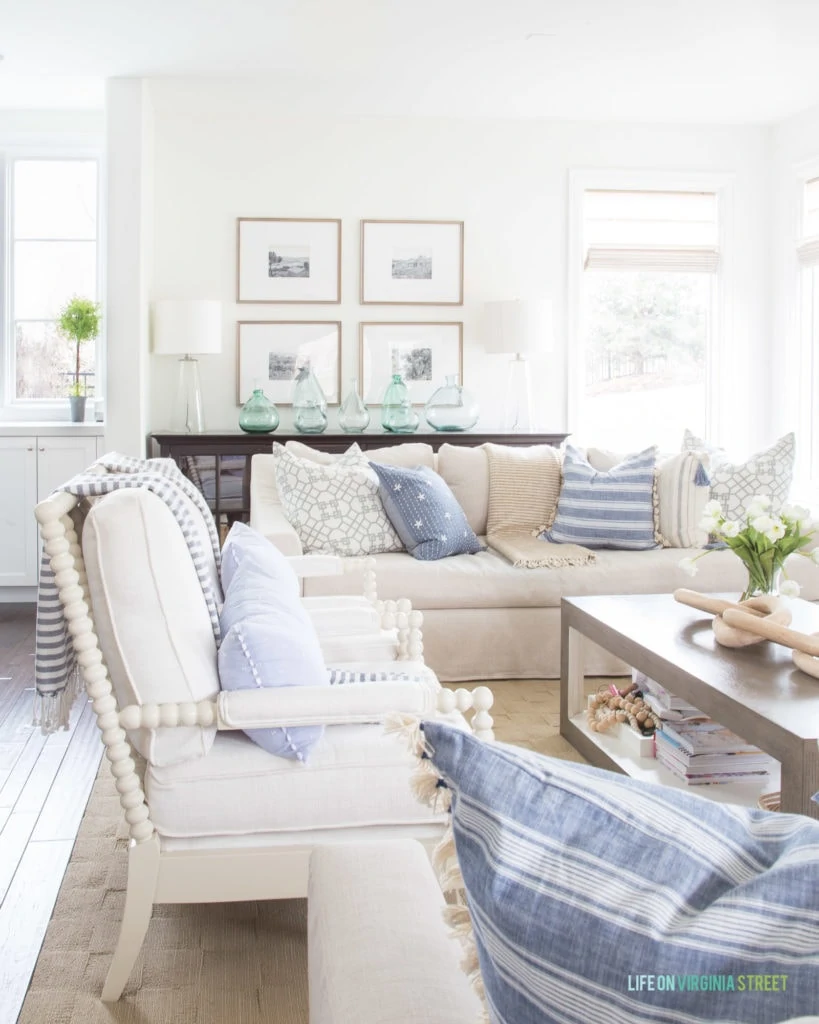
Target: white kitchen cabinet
(60, 458)
(18, 496)
(31, 467)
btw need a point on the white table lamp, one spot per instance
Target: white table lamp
(187, 329)
(518, 327)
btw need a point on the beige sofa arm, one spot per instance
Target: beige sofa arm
(266, 513)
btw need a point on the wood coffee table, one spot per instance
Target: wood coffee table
(755, 691)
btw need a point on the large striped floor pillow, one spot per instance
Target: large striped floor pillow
(613, 509)
(596, 899)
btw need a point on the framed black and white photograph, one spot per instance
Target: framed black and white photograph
(281, 259)
(423, 353)
(407, 262)
(271, 353)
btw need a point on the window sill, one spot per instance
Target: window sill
(50, 428)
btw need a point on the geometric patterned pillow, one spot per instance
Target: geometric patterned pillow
(733, 484)
(594, 898)
(334, 508)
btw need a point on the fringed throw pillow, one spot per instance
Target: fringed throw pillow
(591, 896)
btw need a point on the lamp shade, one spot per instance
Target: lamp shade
(187, 327)
(518, 325)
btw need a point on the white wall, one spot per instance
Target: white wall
(130, 246)
(217, 160)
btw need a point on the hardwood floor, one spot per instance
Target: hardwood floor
(45, 782)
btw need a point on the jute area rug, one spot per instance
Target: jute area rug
(217, 963)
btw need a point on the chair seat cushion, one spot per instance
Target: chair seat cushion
(357, 776)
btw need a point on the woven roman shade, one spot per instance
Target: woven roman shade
(650, 230)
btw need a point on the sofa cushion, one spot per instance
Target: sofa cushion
(357, 776)
(425, 513)
(378, 948)
(334, 508)
(268, 640)
(580, 882)
(733, 484)
(487, 580)
(151, 618)
(682, 493)
(606, 510)
(410, 453)
(466, 470)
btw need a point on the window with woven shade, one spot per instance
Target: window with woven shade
(650, 267)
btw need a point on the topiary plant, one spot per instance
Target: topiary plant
(79, 320)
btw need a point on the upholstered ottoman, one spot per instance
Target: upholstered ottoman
(379, 951)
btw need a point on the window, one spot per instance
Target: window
(646, 319)
(53, 254)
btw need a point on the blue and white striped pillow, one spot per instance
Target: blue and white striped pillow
(582, 885)
(613, 509)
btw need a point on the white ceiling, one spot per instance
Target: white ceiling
(667, 60)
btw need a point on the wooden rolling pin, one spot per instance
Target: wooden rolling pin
(708, 603)
(772, 631)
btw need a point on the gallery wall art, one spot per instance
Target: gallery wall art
(412, 262)
(282, 259)
(270, 353)
(423, 353)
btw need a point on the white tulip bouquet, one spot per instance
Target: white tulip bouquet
(762, 542)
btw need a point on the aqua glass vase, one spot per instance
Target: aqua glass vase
(451, 407)
(309, 403)
(353, 415)
(397, 413)
(259, 415)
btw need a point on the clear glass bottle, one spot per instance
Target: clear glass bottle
(452, 408)
(397, 413)
(353, 415)
(309, 403)
(258, 415)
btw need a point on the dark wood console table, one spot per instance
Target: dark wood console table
(219, 461)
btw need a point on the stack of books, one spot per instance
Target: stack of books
(706, 753)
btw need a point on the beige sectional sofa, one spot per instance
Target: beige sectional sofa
(484, 618)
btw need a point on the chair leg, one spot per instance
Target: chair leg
(143, 869)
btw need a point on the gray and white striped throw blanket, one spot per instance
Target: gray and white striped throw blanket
(55, 670)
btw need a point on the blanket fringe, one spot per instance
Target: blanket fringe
(52, 711)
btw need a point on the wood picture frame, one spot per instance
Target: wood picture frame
(288, 260)
(269, 352)
(412, 262)
(423, 352)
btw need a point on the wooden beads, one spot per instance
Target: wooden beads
(609, 708)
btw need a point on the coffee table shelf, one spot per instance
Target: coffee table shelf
(757, 692)
(620, 750)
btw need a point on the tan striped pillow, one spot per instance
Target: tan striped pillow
(524, 485)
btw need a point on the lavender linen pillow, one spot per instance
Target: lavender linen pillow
(269, 640)
(243, 542)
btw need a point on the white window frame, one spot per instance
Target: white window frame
(13, 409)
(722, 344)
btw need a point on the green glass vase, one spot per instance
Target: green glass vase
(309, 403)
(259, 415)
(397, 413)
